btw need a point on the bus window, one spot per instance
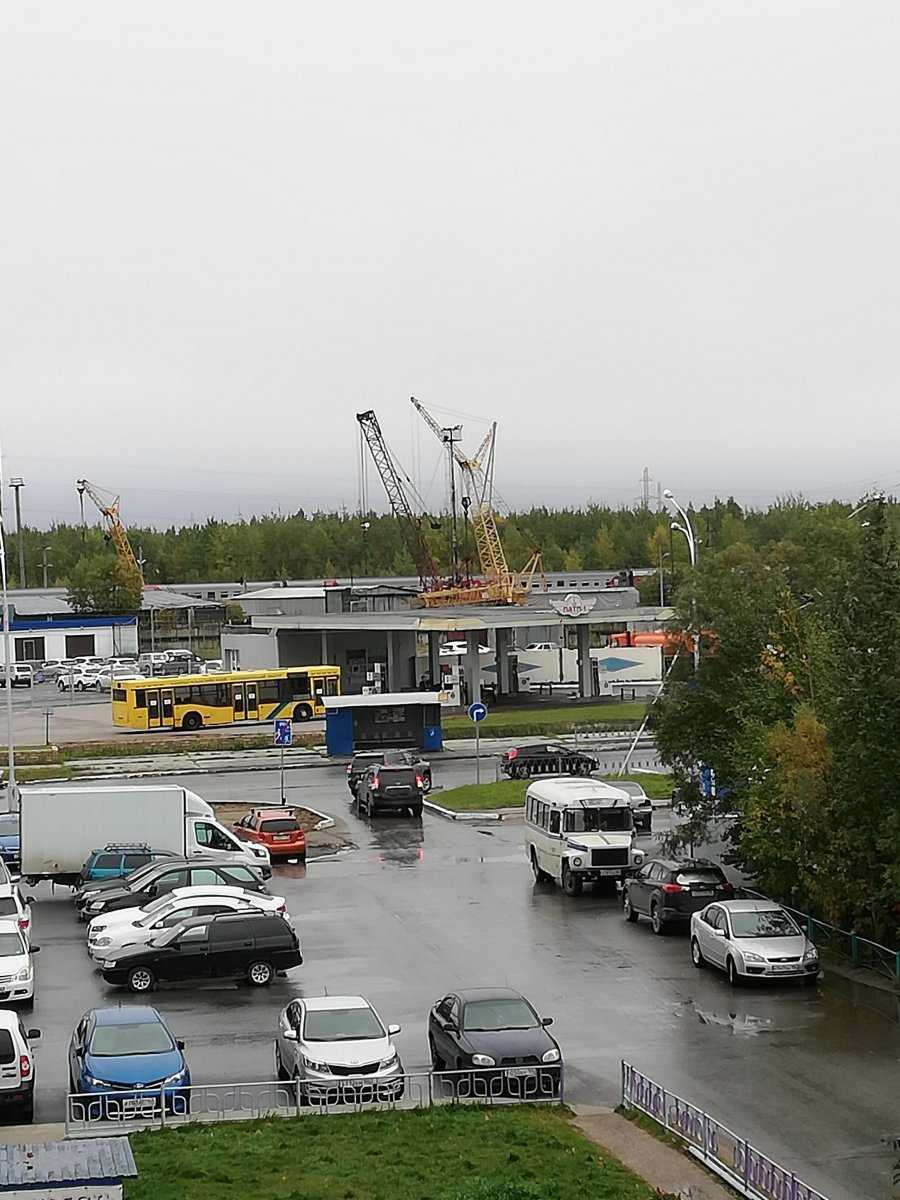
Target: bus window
(554, 822)
(331, 685)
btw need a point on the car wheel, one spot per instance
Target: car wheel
(298, 1084)
(811, 980)
(191, 721)
(572, 885)
(731, 969)
(416, 810)
(140, 979)
(260, 974)
(520, 772)
(697, 954)
(426, 783)
(657, 924)
(280, 1072)
(539, 875)
(302, 712)
(628, 909)
(437, 1063)
(27, 1003)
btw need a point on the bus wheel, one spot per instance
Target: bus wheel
(191, 720)
(302, 713)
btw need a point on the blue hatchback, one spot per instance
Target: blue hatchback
(119, 859)
(127, 1058)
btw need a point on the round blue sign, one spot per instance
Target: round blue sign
(477, 711)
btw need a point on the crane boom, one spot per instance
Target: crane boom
(410, 524)
(479, 478)
(108, 506)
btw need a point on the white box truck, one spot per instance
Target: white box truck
(60, 826)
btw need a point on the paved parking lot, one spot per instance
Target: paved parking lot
(420, 907)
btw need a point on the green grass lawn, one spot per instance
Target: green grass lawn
(445, 1153)
(509, 793)
(537, 719)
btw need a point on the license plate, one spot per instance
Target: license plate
(701, 891)
(783, 967)
(521, 1072)
(609, 871)
(282, 837)
(138, 1107)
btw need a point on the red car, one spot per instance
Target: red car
(275, 828)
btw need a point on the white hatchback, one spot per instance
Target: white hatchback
(13, 907)
(107, 935)
(16, 967)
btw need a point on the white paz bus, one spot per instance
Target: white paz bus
(579, 831)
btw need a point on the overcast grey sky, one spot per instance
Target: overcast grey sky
(653, 233)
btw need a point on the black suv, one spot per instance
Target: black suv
(668, 892)
(390, 758)
(384, 787)
(252, 946)
(546, 758)
(165, 877)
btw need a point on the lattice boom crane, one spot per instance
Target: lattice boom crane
(108, 505)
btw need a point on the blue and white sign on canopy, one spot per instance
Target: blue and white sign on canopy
(284, 734)
(477, 711)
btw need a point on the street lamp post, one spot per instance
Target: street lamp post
(687, 529)
(17, 483)
(11, 793)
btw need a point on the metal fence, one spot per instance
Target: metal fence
(94, 1115)
(732, 1157)
(859, 951)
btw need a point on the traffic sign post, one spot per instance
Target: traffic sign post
(284, 736)
(477, 713)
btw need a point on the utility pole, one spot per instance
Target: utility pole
(645, 488)
(17, 483)
(45, 565)
(140, 560)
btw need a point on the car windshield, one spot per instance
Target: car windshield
(11, 943)
(482, 1016)
(279, 825)
(8, 907)
(341, 1025)
(598, 820)
(770, 923)
(143, 1037)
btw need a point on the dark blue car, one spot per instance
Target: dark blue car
(129, 1060)
(9, 841)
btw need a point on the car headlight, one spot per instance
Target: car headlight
(95, 906)
(550, 1055)
(638, 857)
(811, 955)
(178, 1077)
(322, 1068)
(482, 1060)
(749, 956)
(387, 1063)
(576, 862)
(25, 973)
(106, 963)
(102, 941)
(94, 928)
(95, 1082)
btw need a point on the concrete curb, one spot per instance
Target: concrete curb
(495, 814)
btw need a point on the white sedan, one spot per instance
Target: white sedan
(136, 926)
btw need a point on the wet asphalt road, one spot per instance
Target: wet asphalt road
(421, 907)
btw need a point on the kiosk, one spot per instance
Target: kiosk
(383, 722)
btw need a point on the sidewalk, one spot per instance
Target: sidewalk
(672, 1172)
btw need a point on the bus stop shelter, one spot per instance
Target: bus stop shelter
(383, 721)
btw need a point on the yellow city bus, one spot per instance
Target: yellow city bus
(234, 697)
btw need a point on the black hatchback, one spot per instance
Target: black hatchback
(668, 891)
(251, 946)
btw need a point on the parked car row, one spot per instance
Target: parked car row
(745, 938)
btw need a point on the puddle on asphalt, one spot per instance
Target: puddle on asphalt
(742, 1024)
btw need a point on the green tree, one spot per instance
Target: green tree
(101, 583)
